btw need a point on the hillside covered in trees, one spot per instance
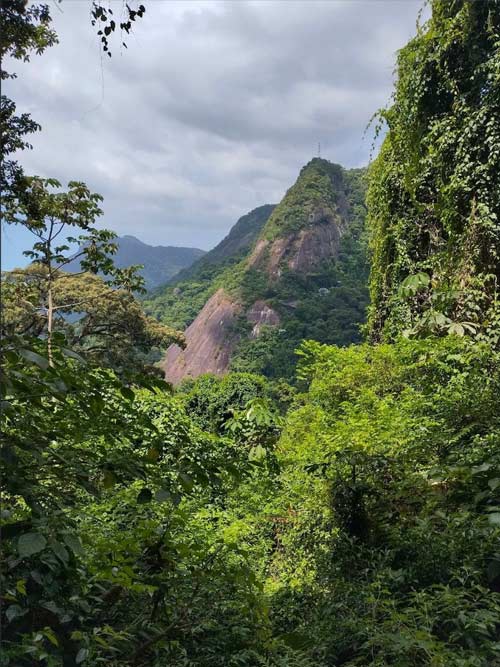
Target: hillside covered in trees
(183, 297)
(348, 518)
(282, 275)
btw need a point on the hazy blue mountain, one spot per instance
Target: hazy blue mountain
(160, 262)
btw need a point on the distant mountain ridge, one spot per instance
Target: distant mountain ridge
(181, 299)
(161, 263)
(302, 274)
(240, 239)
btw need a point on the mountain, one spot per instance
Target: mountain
(160, 262)
(234, 246)
(304, 276)
(181, 300)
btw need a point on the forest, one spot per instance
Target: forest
(337, 504)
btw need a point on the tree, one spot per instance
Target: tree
(25, 28)
(434, 198)
(47, 214)
(106, 325)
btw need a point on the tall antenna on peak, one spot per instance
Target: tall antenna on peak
(319, 149)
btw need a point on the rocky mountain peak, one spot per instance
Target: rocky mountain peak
(305, 228)
(299, 250)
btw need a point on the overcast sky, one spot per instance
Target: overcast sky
(212, 109)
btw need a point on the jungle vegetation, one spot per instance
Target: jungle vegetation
(350, 520)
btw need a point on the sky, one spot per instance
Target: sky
(211, 110)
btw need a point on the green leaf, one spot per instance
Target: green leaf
(21, 586)
(82, 655)
(14, 611)
(145, 496)
(494, 518)
(412, 284)
(162, 495)
(73, 355)
(30, 543)
(127, 393)
(34, 358)
(36, 576)
(456, 328)
(73, 542)
(257, 453)
(50, 636)
(51, 606)
(482, 468)
(60, 552)
(186, 482)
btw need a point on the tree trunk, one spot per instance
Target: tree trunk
(50, 321)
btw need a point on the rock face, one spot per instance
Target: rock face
(209, 342)
(316, 244)
(261, 314)
(302, 251)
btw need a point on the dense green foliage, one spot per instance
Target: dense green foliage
(105, 324)
(353, 520)
(434, 195)
(102, 319)
(390, 477)
(93, 571)
(369, 536)
(313, 188)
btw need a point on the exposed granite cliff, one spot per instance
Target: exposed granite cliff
(301, 251)
(261, 314)
(209, 341)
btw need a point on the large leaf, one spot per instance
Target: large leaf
(30, 543)
(14, 611)
(60, 551)
(257, 453)
(494, 518)
(34, 358)
(73, 542)
(81, 655)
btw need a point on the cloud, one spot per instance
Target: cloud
(212, 109)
